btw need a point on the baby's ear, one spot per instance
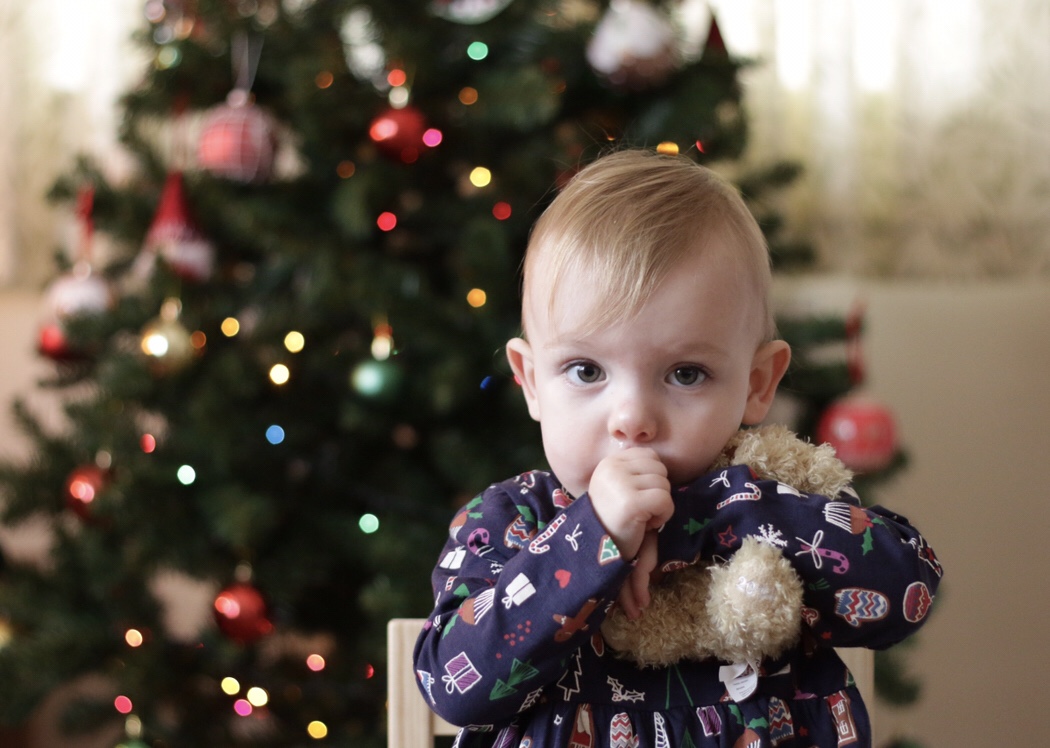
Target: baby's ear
(519, 354)
(767, 369)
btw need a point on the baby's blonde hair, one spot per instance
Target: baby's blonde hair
(628, 218)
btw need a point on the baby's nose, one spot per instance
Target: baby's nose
(632, 422)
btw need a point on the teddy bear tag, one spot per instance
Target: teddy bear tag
(741, 679)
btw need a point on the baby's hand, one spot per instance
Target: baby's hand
(634, 595)
(631, 494)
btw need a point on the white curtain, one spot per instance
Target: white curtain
(63, 64)
(922, 125)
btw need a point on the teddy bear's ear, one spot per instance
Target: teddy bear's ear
(768, 367)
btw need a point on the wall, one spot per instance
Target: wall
(964, 368)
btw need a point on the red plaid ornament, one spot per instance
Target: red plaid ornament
(237, 141)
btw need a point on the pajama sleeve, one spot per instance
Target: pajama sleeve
(869, 577)
(520, 584)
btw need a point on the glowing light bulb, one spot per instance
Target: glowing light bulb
(148, 442)
(294, 341)
(468, 96)
(280, 374)
(275, 434)
(133, 637)
(242, 707)
(230, 686)
(123, 704)
(477, 298)
(501, 211)
(230, 327)
(667, 148)
(477, 51)
(317, 729)
(315, 662)
(433, 137)
(480, 176)
(257, 696)
(368, 523)
(186, 475)
(396, 77)
(386, 221)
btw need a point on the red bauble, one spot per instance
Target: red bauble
(238, 141)
(862, 432)
(242, 613)
(83, 486)
(398, 133)
(75, 293)
(174, 237)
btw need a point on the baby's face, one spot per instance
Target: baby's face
(675, 377)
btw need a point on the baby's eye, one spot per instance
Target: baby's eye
(584, 372)
(688, 375)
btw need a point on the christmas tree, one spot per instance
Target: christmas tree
(290, 373)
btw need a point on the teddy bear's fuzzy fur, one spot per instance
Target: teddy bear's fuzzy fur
(749, 607)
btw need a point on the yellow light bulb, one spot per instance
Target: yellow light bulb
(480, 176)
(477, 297)
(280, 374)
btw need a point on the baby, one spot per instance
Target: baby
(648, 342)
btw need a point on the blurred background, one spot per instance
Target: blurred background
(919, 131)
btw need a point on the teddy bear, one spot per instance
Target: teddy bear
(746, 608)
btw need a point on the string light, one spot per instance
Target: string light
(294, 341)
(198, 340)
(368, 523)
(501, 211)
(346, 169)
(275, 434)
(315, 662)
(324, 79)
(133, 637)
(477, 297)
(468, 95)
(230, 686)
(386, 221)
(433, 137)
(667, 148)
(477, 51)
(383, 341)
(148, 442)
(317, 729)
(397, 77)
(186, 475)
(257, 696)
(242, 707)
(280, 374)
(480, 176)
(230, 327)
(123, 704)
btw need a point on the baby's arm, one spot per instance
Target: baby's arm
(520, 585)
(631, 495)
(869, 576)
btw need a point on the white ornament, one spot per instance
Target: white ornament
(633, 44)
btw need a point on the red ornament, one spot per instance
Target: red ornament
(237, 141)
(175, 238)
(83, 486)
(75, 293)
(398, 133)
(242, 613)
(862, 432)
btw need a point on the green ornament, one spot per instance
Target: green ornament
(376, 380)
